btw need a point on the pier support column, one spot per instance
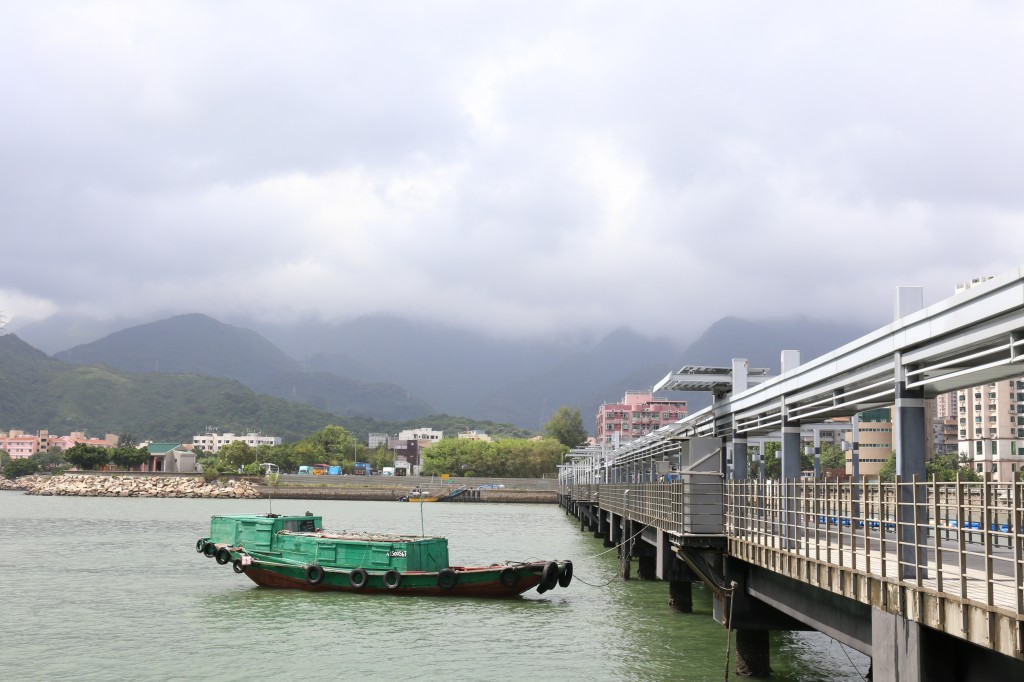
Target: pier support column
(895, 647)
(753, 654)
(790, 475)
(911, 448)
(647, 567)
(626, 549)
(739, 458)
(680, 596)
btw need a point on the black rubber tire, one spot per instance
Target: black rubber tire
(446, 578)
(358, 578)
(200, 544)
(549, 577)
(541, 589)
(223, 556)
(209, 550)
(392, 579)
(238, 566)
(508, 577)
(315, 574)
(565, 577)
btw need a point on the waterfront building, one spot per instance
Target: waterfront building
(407, 454)
(213, 442)
(638, 414)
(21, 445)
(171, 457)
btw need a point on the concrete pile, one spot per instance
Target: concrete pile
(135, 486)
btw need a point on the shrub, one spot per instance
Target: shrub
(210, 472)
(17, 468)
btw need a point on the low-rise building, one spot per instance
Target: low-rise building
(213, 442)
(171, 457)
(638, 414)
(473, 434)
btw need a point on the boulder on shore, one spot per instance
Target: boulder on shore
(130, 486)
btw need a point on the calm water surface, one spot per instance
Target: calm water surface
(112, 589)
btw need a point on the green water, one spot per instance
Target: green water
(112, 589)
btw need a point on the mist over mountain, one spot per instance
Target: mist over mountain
(395, 369)
(40, 392)
(198, 344)
(761, 343)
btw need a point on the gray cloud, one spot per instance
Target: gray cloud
(522, 167)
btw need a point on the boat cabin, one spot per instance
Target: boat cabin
(301, 539)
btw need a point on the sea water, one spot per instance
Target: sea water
(113, 589)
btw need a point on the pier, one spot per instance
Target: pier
(925, 577)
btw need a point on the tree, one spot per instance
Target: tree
(382, 457)
(566, 426)
(832, 456)
(128, 457)
(17, 468)
(87, 457)
(126, 440)
(5, 459)
(236, 455)
(48, 459)
(946, 467)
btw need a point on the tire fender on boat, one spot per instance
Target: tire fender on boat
(223, 556)
(446, 578)
(549, 577)
(565, 577)
(508, 577)
(200, 545)
(238, 566)
(358, 578)
(314, 574)
(392, 579)
(209, 550)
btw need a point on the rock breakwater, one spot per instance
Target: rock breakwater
(132, 486)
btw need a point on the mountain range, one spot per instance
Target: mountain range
(391, 369)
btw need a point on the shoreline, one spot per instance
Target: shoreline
(135, 485)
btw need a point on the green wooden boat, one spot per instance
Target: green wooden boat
(296, 552)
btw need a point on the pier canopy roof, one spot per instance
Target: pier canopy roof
(717, 380)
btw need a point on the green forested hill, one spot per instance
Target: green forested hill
(198, 344)
(38, 392)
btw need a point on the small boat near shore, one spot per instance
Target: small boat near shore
(296, 552)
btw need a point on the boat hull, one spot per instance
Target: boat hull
(295, 552)
(469, 582)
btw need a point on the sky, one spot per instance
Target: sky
(519, 168)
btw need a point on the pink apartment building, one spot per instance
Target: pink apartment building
(638, 414)
(20, 445)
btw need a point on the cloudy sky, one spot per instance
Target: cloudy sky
(520, 167)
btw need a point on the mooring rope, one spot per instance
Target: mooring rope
(728, 637)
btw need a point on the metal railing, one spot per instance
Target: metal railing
(961, 540)
(692, 506)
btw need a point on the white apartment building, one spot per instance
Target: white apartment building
(423, 435)
(213, 442)
(473, 434)
(990, 421)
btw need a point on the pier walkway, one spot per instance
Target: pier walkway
(925, 577)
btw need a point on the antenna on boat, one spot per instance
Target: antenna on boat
(423, 534)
